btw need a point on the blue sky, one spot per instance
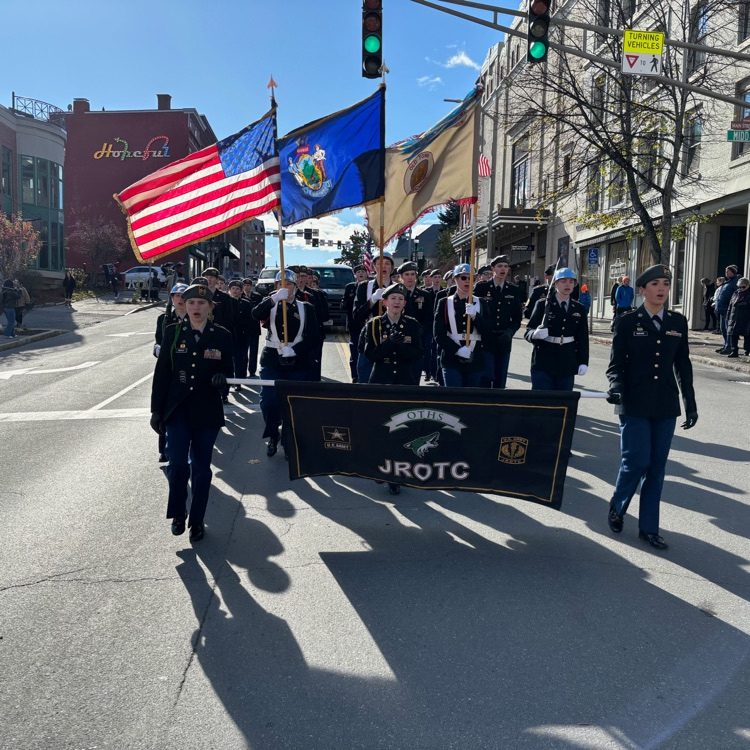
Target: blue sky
(218, 57)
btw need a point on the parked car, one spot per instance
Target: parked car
(333, 280)
(141, 273)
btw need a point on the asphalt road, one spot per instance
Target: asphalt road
(321, 615)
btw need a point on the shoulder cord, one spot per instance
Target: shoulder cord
(177, 332)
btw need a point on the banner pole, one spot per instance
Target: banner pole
(382, 243)
(283, 274)
(471, 266)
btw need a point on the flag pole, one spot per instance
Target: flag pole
(383, 71)
(471, 265)
(272, 85)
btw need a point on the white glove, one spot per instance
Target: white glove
(280, 294)
(464, 352)
(157, 349)
(472, 309)
(582, 369)
(287, 351)
(540, 333)
(377, 295)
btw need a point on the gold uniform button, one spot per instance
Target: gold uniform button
(658, 341)
(658, 353)
(656, 377)
(656, 365)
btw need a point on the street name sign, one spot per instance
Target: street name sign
(738, 135)
(641, 52)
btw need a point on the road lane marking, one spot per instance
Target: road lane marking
(130, 333)
(122, 392)
(33, 371)
(64, 416)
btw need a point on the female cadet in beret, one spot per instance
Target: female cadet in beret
(192, 369)
(649, 359)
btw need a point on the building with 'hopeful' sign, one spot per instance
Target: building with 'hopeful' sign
(585, 157)
(108, 150)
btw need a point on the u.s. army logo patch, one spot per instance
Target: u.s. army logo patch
(513, 450)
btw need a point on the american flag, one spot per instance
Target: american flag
(484, 166)
(367, 260)
(206, 193)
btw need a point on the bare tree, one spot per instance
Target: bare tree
(626, 148)
(98, 240)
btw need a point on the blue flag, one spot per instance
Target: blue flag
(334, 163)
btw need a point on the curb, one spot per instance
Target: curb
(31, 339)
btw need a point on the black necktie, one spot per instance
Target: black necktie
(657, 321)
(564, 307)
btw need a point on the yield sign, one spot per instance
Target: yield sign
(632, 59)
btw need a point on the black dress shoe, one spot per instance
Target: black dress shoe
(197, 532)
(394, 489)
(163, 459)
(614, 520)
(224, 399)
(272, 447)
(653, 539)
(722, 351)
(178, 525)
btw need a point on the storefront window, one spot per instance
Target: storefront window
(56, 184)
(42, 182)
(27, 180)
(6, 172)
(679, 274)
(44, 249)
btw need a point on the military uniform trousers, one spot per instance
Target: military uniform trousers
(189, 451)
(645, 444)
(270, 404)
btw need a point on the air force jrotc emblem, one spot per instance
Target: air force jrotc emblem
(337, 438)
(513, 450)
(309, 171)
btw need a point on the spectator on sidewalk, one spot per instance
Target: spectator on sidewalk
(624, 296)
(23, 303)
(709, 289)
(722, 298)
(69, 285)
(738, 319)
(585, 298)
(613, 301)
(10, 299)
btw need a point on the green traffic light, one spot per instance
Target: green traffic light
(372, 44)
(537, 50)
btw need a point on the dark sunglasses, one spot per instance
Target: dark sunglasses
(463, 278)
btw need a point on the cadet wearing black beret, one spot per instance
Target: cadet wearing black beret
(648, 368)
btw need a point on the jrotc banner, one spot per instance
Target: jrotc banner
(513, 443)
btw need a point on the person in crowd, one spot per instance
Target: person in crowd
(585, 298)
(709, 289)
(539, 291)
(722, 299)
(289, 349)
(462, 361)
(350, 294)
(419, 305)
(10, 299)
(738, 319)
(69, 285)
(648, 368)
(319, 300)
(194, 363)
(23, 303)
(505, 308)
(557, 329)
(624, 296)
(523, 288)
(174, 315)
(254, 297)
(243, 324)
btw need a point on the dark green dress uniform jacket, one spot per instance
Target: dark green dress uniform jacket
(419, 305)
(505, 309)
(393, 362)
(480, 324)
(648, 366)
(559, 360)
(304, 350)
(223, 312)
(182, 378)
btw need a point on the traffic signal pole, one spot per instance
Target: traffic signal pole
(594, 58)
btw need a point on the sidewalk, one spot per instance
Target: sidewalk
(45, 321)
(703, 345)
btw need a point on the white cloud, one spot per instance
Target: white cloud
(460, 59)
(331, 228)
(430, 82)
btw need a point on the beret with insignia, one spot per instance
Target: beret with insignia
(658, 271)
(394, 289)
(197, 291)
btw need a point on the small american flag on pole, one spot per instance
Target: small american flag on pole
(484, 166)
(206, 193)
(367, 260)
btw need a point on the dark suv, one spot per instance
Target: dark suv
(333, 280)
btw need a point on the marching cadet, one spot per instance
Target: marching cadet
(278, 361)
(427, 360)
(650, 358)
(319, 300)
(369, 293)
(193, 365)
(462, 364)
(223, 310)
(419, 305)
(539, 292)
(175, 313)
(393, 343)
(506, 309)
(557, 329)
(253, 297)
(243, 324)
(350, 292)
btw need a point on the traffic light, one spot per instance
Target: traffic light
(372, 38)
(339, 245)
(538, 30)
(308, 236)
(315, 242)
